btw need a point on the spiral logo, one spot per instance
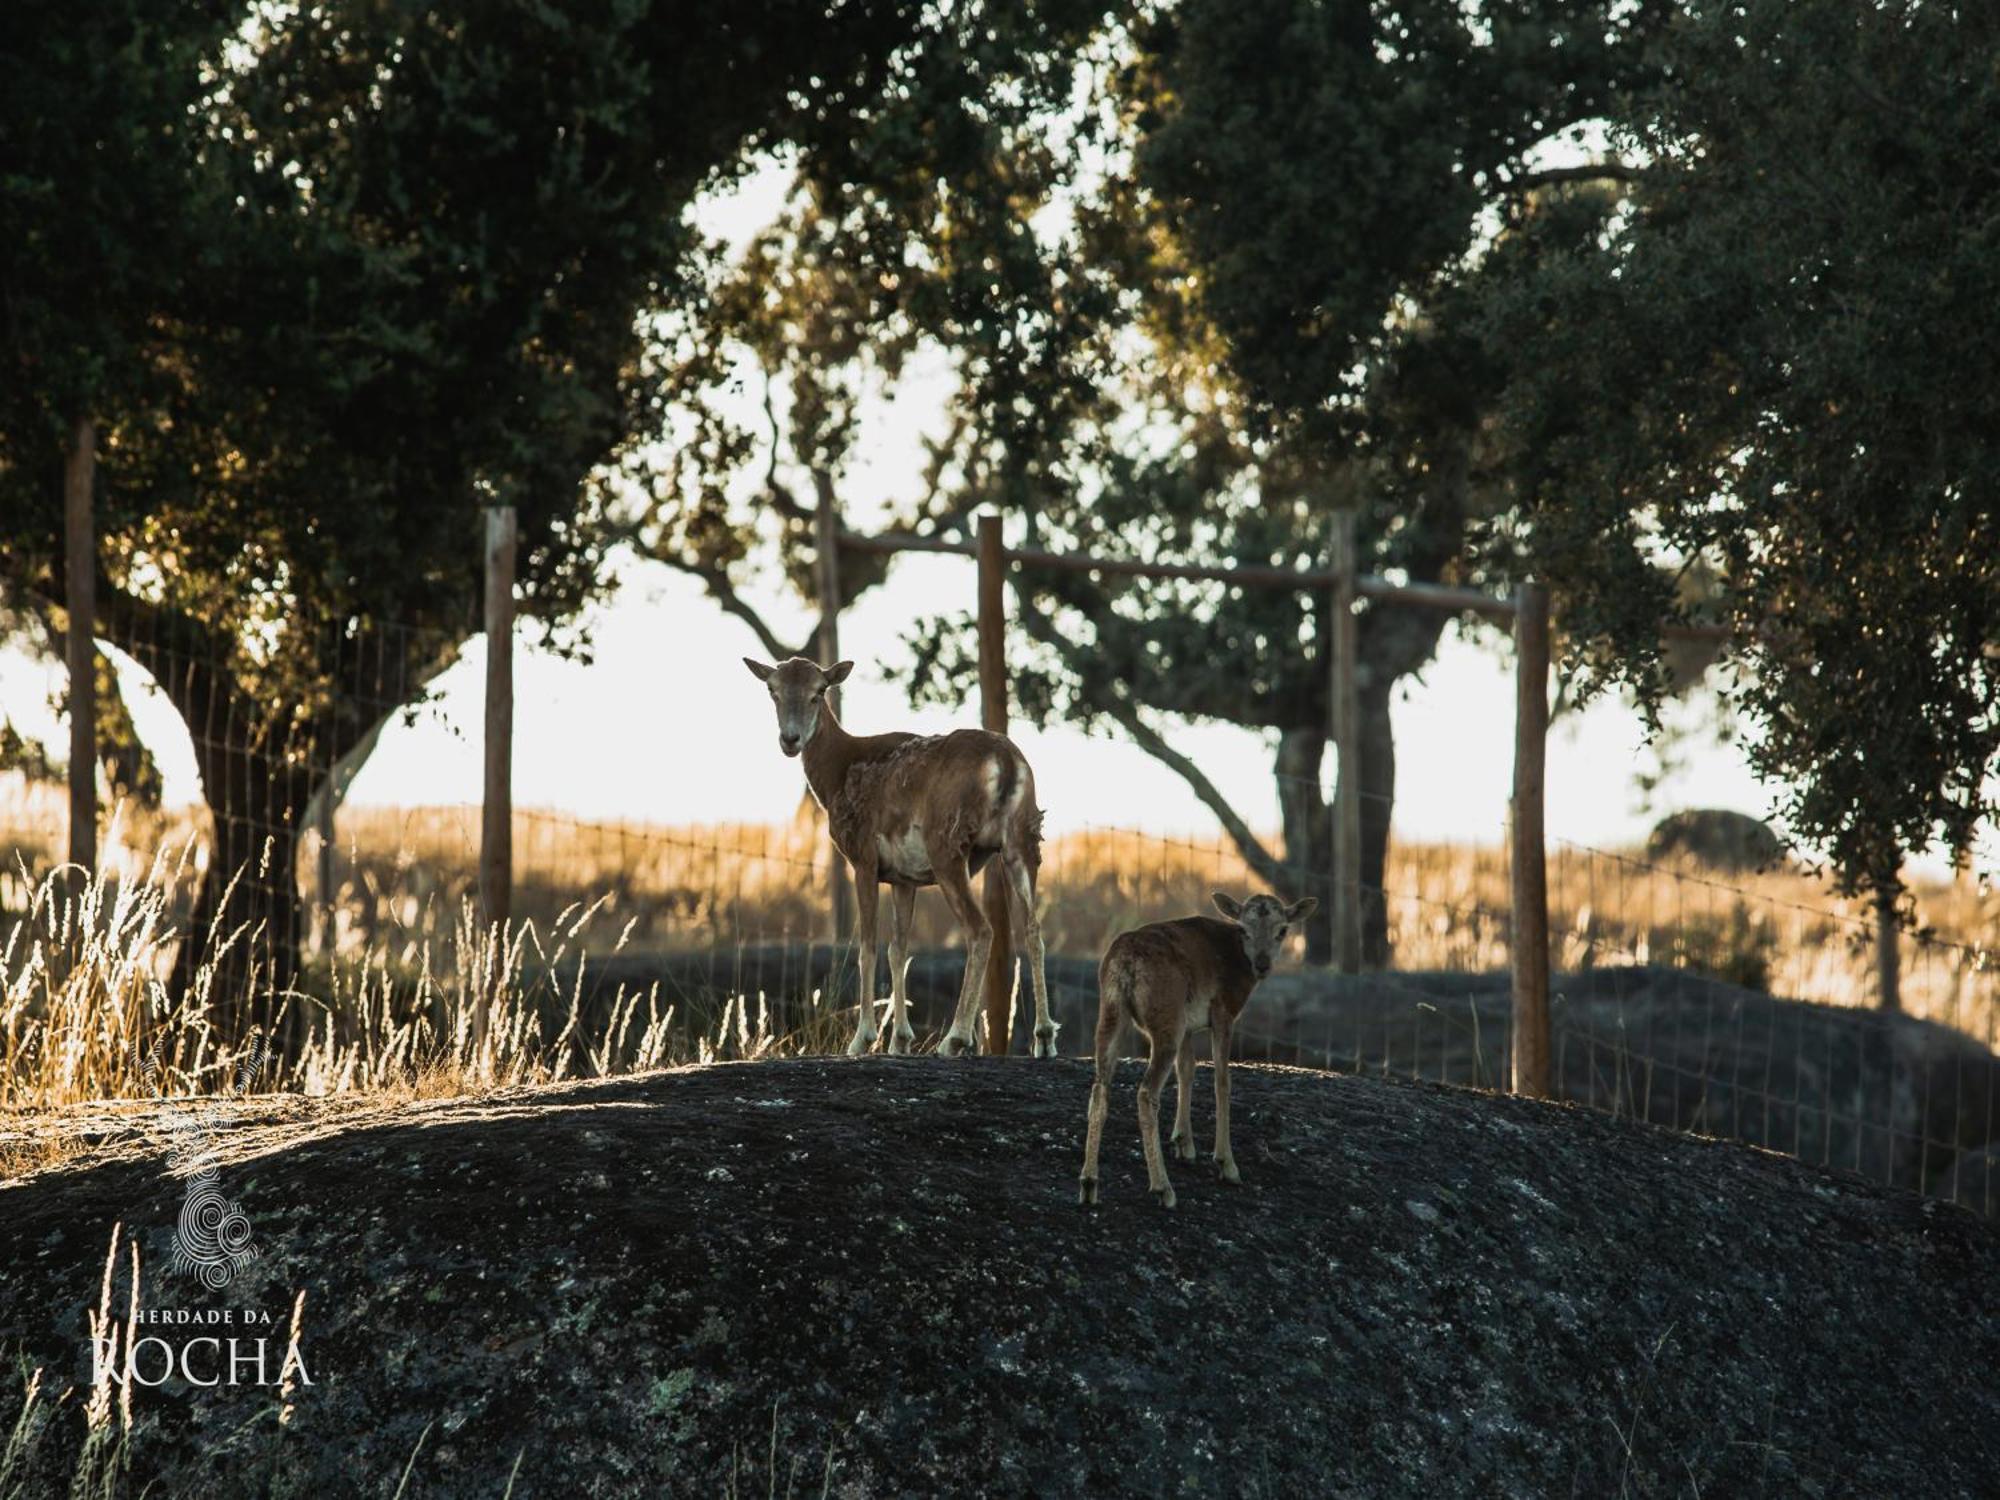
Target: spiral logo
(212, 1240)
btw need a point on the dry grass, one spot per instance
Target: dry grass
(396, 998)
(86, 1013)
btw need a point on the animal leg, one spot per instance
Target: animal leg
(902, 907)
(866, 894)
(1165, 1045)
(1225, 1160)
(1034, 951)
(955, 885)
(1110, 1025)
(1183, 1139)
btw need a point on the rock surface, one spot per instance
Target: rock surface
(873, 1278)
(1732, 842)
(1892, 1097)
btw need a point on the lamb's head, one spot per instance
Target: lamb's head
(1263, 922)
(798, 691)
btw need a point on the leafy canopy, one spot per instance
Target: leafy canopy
(1780, 366)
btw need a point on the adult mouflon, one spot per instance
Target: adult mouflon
(1170, 980)
(908, 811)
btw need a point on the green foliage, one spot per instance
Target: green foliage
(1283, 267)
(100, 175)
(908, 234)
(1781, 365)
(1325, 163)
(397, 260)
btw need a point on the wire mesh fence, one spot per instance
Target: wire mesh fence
(1739, 1005)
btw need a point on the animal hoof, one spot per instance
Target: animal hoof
(1164, 1196)
(899, 1042)
(954, 1046)
(1226, 1170)
(1183, 1147)
(1086, 1191)
(1045, 1043)
(863, 1040)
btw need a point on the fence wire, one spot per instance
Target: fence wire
(1741, 1006)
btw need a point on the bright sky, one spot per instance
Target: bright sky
(666, 726)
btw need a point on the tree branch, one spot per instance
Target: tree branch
(1123, 712)
(1593, 171)
(783, 499)
(724, 593)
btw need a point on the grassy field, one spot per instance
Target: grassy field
(396, 990)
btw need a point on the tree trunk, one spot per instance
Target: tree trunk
(1308, 828)
(1888, 946)
(1378, 801)
(248, 906)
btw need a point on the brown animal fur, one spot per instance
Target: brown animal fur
(1170, 980)
(909, 811)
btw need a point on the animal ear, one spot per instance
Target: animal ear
(837, 673)
(1229, 906)
(1302, 908)
(758, 670)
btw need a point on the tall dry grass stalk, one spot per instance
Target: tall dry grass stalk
(86, 1013)
(405, 974)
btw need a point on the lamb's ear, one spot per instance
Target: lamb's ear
(758, 670)
(1229, 906)
(837, 673)
(1302, 908)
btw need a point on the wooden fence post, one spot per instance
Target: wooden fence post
(1888, 951)
(826, 548)
(1530, 869)
(496, 841)
(80, 599)
(993, 716)
(1344, 638)
(323, 873)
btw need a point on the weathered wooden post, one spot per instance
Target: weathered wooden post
(993, 716)
(1344, 638)
(1888, 950)
(826, 548)
(496, 839)
(323, 871)
(80, 599)
(1530, 869)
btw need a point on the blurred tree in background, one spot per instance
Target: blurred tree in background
(397, 264)
(316, 284)
(1778, 363)
(1300, 208)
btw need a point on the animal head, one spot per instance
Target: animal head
(1263, 922)
(798, 691)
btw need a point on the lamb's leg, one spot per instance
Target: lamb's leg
(1165, 1044)
(1183, 1141)
(1225, 1160)
(1109, 1027)
(902, 906)
(866, 893)
(955, 885)
(1036, 953)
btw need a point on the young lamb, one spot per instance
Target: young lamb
(1171, 979)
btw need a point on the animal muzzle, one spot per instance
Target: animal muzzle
(789, 743)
